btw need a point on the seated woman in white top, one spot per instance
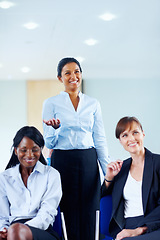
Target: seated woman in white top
(135, 187)
(30, 191)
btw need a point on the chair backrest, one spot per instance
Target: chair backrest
(57, 225)
(105, 214)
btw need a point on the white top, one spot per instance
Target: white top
(38, 201)
(132, 193)
(81, 129)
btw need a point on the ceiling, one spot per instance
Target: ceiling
(127, 46)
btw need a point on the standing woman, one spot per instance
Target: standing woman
(135, 187)
(73, 128)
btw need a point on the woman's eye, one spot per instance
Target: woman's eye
(23, 150)
(135, 132)
(124, 135)
(35, 150)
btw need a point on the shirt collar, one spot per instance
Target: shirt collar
(39, 167)
(66, 94)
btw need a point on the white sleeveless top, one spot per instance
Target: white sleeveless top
(132, 194)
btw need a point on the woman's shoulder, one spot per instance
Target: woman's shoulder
(89, 100)
(154, 158)
(9, 173)
(126, 164)
(52, 171)
(148, 153)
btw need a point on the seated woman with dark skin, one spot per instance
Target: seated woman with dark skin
(135, 187)
(30, 191)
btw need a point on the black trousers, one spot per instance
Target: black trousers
(81, 190)
(131, 223)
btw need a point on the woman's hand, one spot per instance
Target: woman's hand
(55, 123)
(131, 232)
(113, 169)
(3, 234)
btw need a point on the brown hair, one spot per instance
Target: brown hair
(124, 123)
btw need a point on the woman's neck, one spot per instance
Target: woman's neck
(73, 94)
(74, 99)
(25, 173)
(137, 166)
(138, 157)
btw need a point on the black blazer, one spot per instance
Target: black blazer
(150, 194)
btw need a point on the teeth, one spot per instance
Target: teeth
(132, 144)
(29, 160)
(74, 81)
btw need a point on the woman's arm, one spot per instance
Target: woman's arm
(113, 169)
(99, 139)
(49, 202)
(131, 232)
(152, 212)
(152, 220)
(4, 205)
(55, 123)
(51, 125)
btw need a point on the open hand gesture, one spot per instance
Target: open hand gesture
(55, 123)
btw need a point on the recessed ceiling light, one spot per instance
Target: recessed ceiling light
(31, 25)
(107, 16)
(1, 65)
(6, 4)
(25, 69)
(80, 59)
(91, 41)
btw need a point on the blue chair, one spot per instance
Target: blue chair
(105, 215)
(57, 225)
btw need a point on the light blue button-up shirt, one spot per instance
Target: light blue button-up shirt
(80, 129)
(38, 201)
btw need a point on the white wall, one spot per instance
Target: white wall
(118, 98)
(133, 97)
(12, 115)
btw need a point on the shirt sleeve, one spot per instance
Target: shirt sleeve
(4, 205)
(49, 203)
(99, 139)
(50, 134)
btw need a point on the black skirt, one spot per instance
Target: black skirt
(81, 190)
(39, 234)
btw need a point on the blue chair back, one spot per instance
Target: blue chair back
(57, 225)
(105, 215)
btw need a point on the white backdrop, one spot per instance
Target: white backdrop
(13, 115)
(133, 97)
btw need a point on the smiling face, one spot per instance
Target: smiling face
(71, 77)
(28, 153)
(132, 138)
